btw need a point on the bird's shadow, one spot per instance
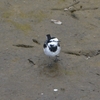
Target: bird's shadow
(51, 70)
(46, 66)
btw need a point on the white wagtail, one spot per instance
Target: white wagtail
(51, 46)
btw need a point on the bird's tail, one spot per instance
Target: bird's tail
(48, 36)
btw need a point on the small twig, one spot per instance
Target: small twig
(89, 53)
(30, 61)
(34, 40)
(98, 74)
(73, 4)
(89, 8)
(66, 7)
(72, 53)
(57, 9)
(23, 46)
(83, 9)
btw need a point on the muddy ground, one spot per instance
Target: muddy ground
(24, 70)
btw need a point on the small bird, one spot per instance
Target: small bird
(51, 46)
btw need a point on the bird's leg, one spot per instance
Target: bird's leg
(49, 63)
(56, 59)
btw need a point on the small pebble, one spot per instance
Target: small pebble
(56, 21)
(88, 58)
(55, 90)
(41, 93)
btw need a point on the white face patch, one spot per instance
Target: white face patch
(54, 40)
(53, 43)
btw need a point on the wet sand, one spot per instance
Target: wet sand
(24, 70)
